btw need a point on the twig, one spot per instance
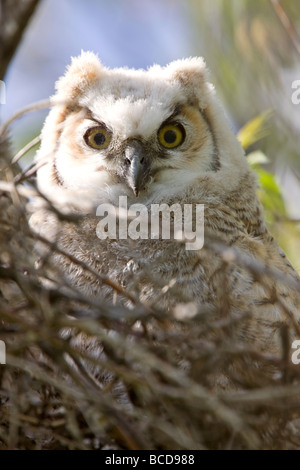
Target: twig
(103, 279)
(22, 190)
(26, 149)
(287, 24)
(33, 107)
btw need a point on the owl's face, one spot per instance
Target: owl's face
(134, 132)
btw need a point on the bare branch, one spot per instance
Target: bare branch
(287, 24)
(14, 17)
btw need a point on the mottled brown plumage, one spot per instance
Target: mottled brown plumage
(239, 273)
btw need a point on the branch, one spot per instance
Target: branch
(14, 17)
(287, 24)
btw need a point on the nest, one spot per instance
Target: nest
(151, 386)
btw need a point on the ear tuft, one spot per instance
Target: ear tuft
(188, 71)
(192, 74)
(83, 71)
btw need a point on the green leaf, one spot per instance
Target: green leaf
(257, 158)
(255, 129)
(270, 195)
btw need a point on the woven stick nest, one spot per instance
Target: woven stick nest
(152, 386)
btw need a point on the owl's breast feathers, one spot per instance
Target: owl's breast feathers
(256, 278)
(239, 271)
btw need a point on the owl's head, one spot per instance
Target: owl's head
(144, 134)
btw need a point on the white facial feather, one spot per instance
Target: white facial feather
(133, 104)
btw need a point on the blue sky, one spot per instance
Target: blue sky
(133, 33)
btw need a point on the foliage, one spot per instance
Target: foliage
(270, 193)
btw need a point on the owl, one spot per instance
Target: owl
(160, 136)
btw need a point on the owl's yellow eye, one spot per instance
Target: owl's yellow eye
(97, 137)
(171, 135)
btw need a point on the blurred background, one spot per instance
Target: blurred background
(251, 47)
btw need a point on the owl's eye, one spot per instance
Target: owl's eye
(97, 137)
(171, 135)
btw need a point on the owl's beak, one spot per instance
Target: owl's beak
(137, 166)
